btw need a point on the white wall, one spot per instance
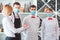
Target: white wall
(20, 1)
(7, 1)
(25, 1)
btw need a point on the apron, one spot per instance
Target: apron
(17, 24)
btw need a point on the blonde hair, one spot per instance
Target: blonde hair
(8, 8)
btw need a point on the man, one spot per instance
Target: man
(33, 22)
(16, 19)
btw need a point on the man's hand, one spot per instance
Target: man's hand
(25, 26)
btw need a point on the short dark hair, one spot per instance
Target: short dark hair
(33, 6)
(16, 3)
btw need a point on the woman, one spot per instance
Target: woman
(8, 25)
(50, 27)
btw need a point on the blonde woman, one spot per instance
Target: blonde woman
(8, 25)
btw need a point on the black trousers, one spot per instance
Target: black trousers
(17, 36)
(59, 37)
(39, 38)
(10, 38)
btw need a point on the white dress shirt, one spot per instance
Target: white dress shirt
(8, 26)
(50, 29)
(32, 31)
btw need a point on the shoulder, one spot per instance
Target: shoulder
(45, 18)
(20, 12)
(27, 17)
(55, 19)
(6, 19)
